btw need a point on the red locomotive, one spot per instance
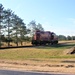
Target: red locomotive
(44, 37)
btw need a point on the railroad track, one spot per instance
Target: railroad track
(17, 47)
(60, 44)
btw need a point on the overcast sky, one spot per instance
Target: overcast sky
(54, 15)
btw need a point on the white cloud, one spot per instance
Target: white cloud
(65, 32)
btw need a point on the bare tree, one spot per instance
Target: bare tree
(33, 27)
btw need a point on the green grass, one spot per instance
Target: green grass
(41, 52)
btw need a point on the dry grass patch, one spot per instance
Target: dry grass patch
(38, 52)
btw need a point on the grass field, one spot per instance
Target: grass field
(38, 52)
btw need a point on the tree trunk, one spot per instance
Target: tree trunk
(16, 38)
(8, 36)
(0, 37)
(21, 43)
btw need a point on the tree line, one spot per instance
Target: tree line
(62, 37)
(13, 28)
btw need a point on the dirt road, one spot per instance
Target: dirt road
(58, 66)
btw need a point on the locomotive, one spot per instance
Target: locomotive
(44, 37)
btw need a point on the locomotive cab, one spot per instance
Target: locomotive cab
(36, 38)
(54, 38)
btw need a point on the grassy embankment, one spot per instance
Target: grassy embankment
(39, 52)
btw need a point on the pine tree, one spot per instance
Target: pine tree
(8, 22)
(1, 20)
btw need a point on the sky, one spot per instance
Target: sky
(55, 15)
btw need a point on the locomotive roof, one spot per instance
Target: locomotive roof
(44, 31)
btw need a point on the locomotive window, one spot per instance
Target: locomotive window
(54, 35)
